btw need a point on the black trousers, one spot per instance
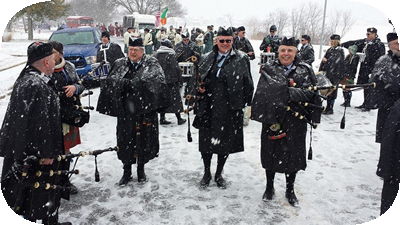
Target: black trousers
(389, 193)
(220, 163)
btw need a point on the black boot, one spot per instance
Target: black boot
(73, 189)
(329, 109)
(205, 181)
(290, 195)
(269, 191)
(141, 174)
(163, 121)
(362, 106)
(180, 120)
(221, 183)
(127, 175)
(347, 98)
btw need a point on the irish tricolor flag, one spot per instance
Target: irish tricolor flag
(164, 17)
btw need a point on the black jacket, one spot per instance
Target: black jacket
(351, 65)
(222, 104)
(113, 53)
(31, 127)
(148, 89)
(244, 45)
(184, 52)
(273, 42)
(169, 64)
(271, 99)
(134, 95)
(334, 67)
(386, 75)
(306, 54)
(389, 159)
(372, 50)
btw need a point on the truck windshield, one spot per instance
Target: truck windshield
(144, 25)
(75, 38)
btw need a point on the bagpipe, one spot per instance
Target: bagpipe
(342, 86)
(278, 99)
(192, 98)
(72, 111)
(325, 88)
(30, 171)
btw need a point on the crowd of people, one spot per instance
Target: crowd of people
(147, 83)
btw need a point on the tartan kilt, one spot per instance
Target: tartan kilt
(72, 138)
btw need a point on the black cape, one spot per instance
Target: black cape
(31, 127)
(135, 96)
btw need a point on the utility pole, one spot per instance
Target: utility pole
(323, 29)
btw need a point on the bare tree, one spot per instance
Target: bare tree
(229, 19)
(347, 22)
(314, 18)
(297, 18)
(253, 26)
(100, 10)
(335, 20)
(282, 20)
(175, 8)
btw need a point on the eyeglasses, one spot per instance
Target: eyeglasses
(223, 41)
(272, 31)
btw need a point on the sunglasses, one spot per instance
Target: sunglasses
(223, 41)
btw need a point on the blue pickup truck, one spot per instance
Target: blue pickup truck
(80, 47)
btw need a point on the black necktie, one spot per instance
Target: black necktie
(219, 60)
(134, 66)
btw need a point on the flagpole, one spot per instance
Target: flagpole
(322, 35)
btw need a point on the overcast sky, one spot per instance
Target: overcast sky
(242, 9)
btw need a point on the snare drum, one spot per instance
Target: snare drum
(266, 57)
(100, 71)
(187, 69)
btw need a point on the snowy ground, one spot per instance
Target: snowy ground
(339, 185)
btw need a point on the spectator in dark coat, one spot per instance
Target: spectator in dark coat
(271, 42)
(242, 43)
(372, 48)
(173, 76)
(108, 52)
(350, 70)
(306, 52)
(69, 86)
(283, 135)
(187, 51)
(386, 98)
(333, 65)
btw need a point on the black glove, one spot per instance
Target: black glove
(298, 94)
